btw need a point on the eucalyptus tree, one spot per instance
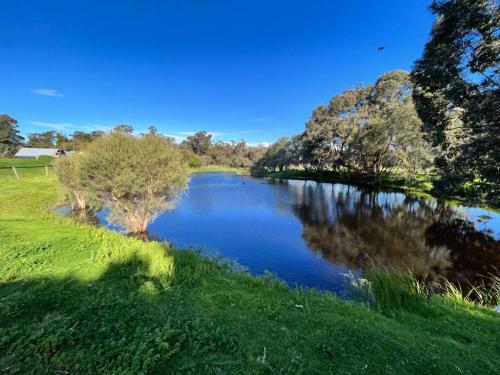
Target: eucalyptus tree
(391, 137)
(136, 178)
(369, 129)
(10, 138)
(43, 139)
(457, 94)
(199, 143)
(276, 157)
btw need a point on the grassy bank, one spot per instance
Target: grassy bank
(80, 299)
(219, 168)
(421, 184)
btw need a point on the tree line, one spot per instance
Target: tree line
(204, 150)
(445, 114)
(369, 130)
(199, 149)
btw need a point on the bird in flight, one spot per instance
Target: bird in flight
(380, 49)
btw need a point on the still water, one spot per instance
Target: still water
(314, 234)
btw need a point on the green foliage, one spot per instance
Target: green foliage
(230, 154)
(127, 129)
(458, 96)
(67, 170)
(10, 139)
(276, 156)
(43, 140)
(135, 177)
(198, 143)
(194, 161)
(234, 154)
(79, 140)
(368, 130)
(79, 299)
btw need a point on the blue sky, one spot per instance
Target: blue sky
(239, 69)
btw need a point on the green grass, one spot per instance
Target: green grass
(80, 299)
(7, 163)
(393, 291)
(219, 168)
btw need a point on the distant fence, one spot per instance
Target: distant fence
(15, 168)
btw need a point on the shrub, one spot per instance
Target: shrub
(67, 169)
(137, 178)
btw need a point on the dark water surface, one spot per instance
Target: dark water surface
(313, 234)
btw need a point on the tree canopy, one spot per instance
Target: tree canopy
(199, 143)
(10, 139)
(457, 94)
(135, 177)
(368, 129)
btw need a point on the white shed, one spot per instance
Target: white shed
(35, 153)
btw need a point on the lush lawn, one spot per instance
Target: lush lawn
(78, 299)
(24, 167)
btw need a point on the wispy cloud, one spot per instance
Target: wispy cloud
(62, 126)
(47, 92)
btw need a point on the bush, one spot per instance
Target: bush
(67, 169)
(137, 178)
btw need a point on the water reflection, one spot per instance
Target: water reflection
(312, 234)
(359, 227)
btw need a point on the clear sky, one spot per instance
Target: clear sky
(239, 69)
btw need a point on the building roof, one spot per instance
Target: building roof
(35, 152)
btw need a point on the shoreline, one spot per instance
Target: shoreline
(385, 183)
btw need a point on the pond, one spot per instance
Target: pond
(314, 234)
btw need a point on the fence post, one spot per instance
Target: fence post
(46, 171)
(15, 172)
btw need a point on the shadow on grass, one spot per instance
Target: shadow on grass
(199, 318)
(121, 323)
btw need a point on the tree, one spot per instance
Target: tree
(43, 140)
(457, 94)
(153, 130)
(135, 177)
(391, 137)
(369, 129)
(10, 138)
(62, 142)
(276, 156)
(127, 129)
(333, 129)
(200, 142)
(67, 169)
(80, 140)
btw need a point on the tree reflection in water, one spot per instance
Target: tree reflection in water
(358, 227)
